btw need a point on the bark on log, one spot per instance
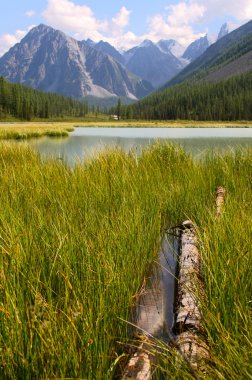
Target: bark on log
(188, 323)
(220, 199)
(139, 366)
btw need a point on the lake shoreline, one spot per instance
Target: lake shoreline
(130, 123)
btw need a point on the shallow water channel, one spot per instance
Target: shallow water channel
(155, 311)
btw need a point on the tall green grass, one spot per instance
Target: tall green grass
(75, 245)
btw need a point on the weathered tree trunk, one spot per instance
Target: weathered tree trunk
(188, 323)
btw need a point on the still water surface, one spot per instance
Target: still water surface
(84, 143)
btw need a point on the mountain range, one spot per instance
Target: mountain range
(230, 55)
(155, 62)
(215, 86)
(48, 60)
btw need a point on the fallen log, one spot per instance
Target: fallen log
(188, 320)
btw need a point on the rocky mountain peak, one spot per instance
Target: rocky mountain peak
(171, 46)
(196, 48)
(48, 60)
(146, 44)
(224, 30)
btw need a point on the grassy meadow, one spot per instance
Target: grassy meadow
(76, 245)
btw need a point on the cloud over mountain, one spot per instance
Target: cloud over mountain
(181, 20)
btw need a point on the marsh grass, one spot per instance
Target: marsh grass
(24, 131)
(76, 244)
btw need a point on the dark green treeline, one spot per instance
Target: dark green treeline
(226, 100)
(25, 103)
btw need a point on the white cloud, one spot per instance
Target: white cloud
(8, 40)
(78, 19)
(120, 21)
(30, 13)
(184, 21)
(126, 40)
(241, 10)
(185, 13)
(177, 23)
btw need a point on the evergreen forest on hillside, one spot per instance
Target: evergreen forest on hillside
(229, 99)
(25, 103)
(226, 100)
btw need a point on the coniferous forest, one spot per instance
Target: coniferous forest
(229, 99)
(25, 103)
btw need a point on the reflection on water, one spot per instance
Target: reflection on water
(83, 147)
(160, 133)
(155, 311)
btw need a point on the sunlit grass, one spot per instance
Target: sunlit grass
(23, 131)
(76, 244)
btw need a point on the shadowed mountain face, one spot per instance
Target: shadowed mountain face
(153, 62)
(106, 48)
(48, 60)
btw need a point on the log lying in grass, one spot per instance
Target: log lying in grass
(188, 314)
(220, 199)
(188, 323)
(139, 366)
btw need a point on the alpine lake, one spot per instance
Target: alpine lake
(86, 142)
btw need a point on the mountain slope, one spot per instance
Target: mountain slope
(106, 48)
(196, 48)
(48, 60)
(171, 46)
(149, 62)
(217, 86)
(227, 49)
(224, 100)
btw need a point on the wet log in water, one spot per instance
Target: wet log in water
(188, 323)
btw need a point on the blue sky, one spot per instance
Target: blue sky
(124, 23)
